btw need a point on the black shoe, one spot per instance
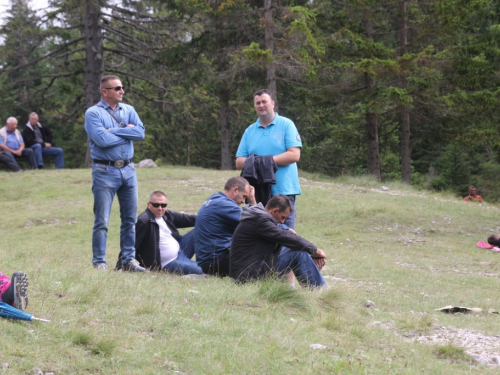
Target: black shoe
(40, 167)
(133, 266)
(19, 280)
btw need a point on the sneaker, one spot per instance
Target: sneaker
(19, 280)
(133, 266)
(101, 266)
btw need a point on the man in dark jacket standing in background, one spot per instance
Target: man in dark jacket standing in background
(257, 241)
(39, 139)
(158, 244)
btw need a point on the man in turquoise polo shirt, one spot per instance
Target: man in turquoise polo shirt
(275, 135)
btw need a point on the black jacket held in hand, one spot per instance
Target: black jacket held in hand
(259, 172)
(257, 242)
(147, 235)
(29, 135)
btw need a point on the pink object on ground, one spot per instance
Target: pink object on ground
(4, 284)
(485, 245)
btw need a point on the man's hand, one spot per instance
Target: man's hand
(48, 145)
(130, 125)
(292, 231)
(251, 196)
(18, 152)
(319, 258)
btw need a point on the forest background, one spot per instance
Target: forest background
(399, 89)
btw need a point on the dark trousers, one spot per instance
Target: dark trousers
(220, 267)
(8, 159)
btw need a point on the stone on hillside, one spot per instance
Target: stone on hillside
(317, 346)
(147, 163)
(384, 188)
(369, 304)
(5, 366)
(37, 371)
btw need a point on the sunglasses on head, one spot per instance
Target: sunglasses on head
(156, 205)
(117, 88)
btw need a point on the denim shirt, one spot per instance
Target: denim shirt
(117, 144)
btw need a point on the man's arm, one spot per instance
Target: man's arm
(141, 227)
(134, 131)
(131, 132)
(251, 197)
(181, 220)
(240, 161)
(28, 137)
(272, 232)
(290, 156)
(48, 137)
(98, 133)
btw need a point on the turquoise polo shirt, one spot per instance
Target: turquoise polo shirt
(274, 139)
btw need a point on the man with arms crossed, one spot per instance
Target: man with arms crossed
(215, 224)
(112, 127)
(257, 241)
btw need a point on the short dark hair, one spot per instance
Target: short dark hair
(493, 240)
(238, 181)
(106, 79)
(472, 187)
(281, 201)
(157, 193)
(261, 92)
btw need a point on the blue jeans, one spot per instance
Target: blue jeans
(290, 220)
(304, 268)
(42, 152)
(106, 182)
(183, 265)
(187, 244)
(28, 153)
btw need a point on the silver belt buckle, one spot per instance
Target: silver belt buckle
(119, 163)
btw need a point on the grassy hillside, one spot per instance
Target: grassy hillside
(408, 251)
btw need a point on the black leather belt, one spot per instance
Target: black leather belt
(117, 163)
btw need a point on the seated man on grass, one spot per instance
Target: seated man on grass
(158, 244)
(216, 221)
(257, 241)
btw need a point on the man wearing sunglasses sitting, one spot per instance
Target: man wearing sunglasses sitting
(158, 244)
(112, 128)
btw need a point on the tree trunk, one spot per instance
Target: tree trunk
(225, 130)
(223, 93)
(94, 69)
(372, 147)
(269, 39)
(405, 110)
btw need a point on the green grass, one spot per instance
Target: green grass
(408, 251)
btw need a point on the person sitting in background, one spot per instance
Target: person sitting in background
(473, 197)
(12, 141)
(8, 159)
(39, 139)
(158, 244)
(14, 291)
